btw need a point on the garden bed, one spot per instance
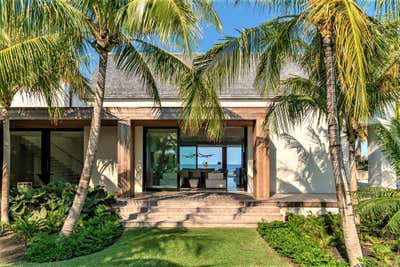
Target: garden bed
(318, 240)
(38, 214)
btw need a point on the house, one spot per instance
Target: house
(143, 148)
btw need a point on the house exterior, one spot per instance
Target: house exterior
(143, 148)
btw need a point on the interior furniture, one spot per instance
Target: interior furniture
(215, 180)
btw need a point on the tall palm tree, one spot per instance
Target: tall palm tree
(303, 98)
(346, 43)
(30, 63)
(125, 28)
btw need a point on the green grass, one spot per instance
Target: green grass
(174, 247)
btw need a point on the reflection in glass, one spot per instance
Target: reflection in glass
(209, 157)
(66, 156)
(235, 168)
(26, 158)
(161, 158)
(188, 157)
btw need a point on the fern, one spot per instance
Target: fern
(389, 139)
(380, 209)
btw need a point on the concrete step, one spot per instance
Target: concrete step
(207, 218)
(217, 209)
(211, 209)
(172, 224)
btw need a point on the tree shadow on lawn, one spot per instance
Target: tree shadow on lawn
(147, 244)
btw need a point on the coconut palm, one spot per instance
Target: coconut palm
(126, 28)
(303, 98)
(346, 44)
(30, 63)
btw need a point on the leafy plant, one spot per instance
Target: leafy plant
(379, 210)
(291, 242)
(88, 237)
(389, 138)
(48, 205)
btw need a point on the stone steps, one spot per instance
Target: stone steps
(197, 213)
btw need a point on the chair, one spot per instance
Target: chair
(194, 180)
(215, 180)
(184, 177)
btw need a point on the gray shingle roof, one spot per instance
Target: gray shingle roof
(120, 86)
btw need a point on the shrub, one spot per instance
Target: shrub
(379, 211)
(48, 205)
(289, 241)
(89, 236)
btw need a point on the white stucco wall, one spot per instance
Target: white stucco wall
(300, 161)
(380, 172)
(105, 172)
(23, 100)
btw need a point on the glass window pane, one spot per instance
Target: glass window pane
(235, 168)
(26, 157)
(66, 156)
(209, 157)
(161, 158)
(188, 157)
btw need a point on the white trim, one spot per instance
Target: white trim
(177, 103)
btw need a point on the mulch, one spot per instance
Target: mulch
(11, 248)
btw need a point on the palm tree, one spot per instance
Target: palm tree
(125, 27)
(30, 63)
(346, 45)
(303, 98)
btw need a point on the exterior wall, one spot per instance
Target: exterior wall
(138, 155)
(22, 100)
(250, 160)
(380, 173)
(105, 172)
(300, 161)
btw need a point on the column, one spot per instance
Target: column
(125, 145)
(261, 161)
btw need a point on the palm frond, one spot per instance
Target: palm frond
(201, 106)
(129, 60)
(165, 65)
(173, 22)
(353, 43)
(390, 143)
(19, 58)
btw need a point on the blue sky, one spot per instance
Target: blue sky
(233, 18)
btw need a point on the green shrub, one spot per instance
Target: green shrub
(48, 205)
(379, 211)
(291, 242)
(89, 236)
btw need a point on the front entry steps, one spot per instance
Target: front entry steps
(196, 212)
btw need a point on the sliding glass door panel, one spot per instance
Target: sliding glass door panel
(161, 159)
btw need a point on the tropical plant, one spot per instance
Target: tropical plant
(379, 210)
(389, 139)
(33, 59)
(124, 27)
(45, 208)
(303, 98)
(346, 42)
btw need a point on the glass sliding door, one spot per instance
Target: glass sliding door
(66, 155)
(210, 157)
(161, 159)
(26, 158)
(235, 170)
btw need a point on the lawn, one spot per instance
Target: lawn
(175, 247)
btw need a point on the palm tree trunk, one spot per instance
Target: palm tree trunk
(5, 187)
(353, 171)
(350, 234)
(95, 127)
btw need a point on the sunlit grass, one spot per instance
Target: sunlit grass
(178, 247)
